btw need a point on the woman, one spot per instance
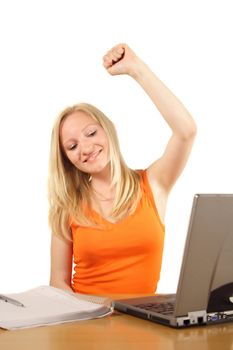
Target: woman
(107, 219)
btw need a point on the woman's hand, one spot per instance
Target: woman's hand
(120, 60)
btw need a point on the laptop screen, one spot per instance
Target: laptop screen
(206, 277)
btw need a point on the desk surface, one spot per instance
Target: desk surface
(118, 332)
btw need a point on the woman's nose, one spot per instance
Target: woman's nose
(86, 147)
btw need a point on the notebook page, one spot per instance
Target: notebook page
(45, 302)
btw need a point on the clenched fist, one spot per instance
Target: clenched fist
(120, 60)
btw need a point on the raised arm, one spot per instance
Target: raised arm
(163, 172)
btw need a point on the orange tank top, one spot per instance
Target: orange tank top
(124, 257)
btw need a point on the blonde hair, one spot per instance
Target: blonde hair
(69, 188)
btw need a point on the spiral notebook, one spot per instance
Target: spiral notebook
(46, 305)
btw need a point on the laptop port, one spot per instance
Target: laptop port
(200, 320)
(186, 322)
(214, 318)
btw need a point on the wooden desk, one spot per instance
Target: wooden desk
(118, 332)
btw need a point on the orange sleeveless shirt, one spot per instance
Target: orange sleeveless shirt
(126, 256)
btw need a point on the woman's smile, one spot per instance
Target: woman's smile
(92, 157)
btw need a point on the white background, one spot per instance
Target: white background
(51, 57)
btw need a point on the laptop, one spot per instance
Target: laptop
(205, 289)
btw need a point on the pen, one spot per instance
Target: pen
(10, 300)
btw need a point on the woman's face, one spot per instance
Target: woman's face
(85, 142)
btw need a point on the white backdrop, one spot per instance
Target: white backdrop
(51, 57)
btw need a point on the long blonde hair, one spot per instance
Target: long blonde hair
(69, 188)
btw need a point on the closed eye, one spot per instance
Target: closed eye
(73, 147)
(92, 133)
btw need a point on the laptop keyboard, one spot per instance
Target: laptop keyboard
(165, 308)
